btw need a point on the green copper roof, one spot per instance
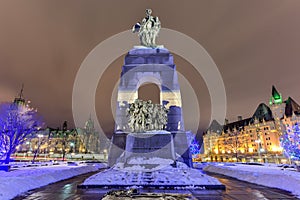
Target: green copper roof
(276, 96)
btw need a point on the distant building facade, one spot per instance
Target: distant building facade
(52, 142)
(90, 137)
(254, 139)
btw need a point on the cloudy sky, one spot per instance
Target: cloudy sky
(254, 44)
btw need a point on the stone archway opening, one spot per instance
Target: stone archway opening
(149, 91)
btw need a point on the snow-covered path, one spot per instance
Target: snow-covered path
(19, 181)
(270, 176)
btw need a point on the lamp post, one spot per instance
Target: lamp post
(37, 148)
(258, 149)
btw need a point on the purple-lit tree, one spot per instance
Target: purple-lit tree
(17, 121)
(195, 148)
(290, 141)
(2, 151)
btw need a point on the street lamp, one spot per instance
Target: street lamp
(258, 149)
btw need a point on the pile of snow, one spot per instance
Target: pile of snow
(154, 160)
(182, 176)
(270, 176)
(16, 182)
(158, 132)
(146, 164)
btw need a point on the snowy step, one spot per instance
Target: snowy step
(168, 177)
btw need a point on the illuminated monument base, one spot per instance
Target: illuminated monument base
(157, 158)
(149, 65)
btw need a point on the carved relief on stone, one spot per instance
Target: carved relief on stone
(145, 116)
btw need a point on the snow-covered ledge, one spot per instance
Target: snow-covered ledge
(270, 176)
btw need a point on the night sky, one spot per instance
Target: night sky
(255, 44)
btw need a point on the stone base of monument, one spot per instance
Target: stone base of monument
(148, 160)
(165, 177)
(149, 149)
(173, 146)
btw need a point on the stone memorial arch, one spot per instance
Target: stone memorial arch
(149, 63)
(143, 66)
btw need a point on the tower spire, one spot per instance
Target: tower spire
(276, 97)
(20, 99)
(21, 92)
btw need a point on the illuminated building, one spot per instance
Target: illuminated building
(90, 137)
(51, 143)
(254, 139)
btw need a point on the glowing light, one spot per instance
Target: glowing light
(276, 149)
(283, 160)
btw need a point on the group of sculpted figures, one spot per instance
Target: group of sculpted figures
(146, 116)
(148, 29)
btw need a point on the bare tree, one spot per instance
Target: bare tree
(17, 121)
(234, 142)
(42, 139)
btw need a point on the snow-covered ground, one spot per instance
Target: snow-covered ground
(18, 181)
(167, 175)
(267, 175)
